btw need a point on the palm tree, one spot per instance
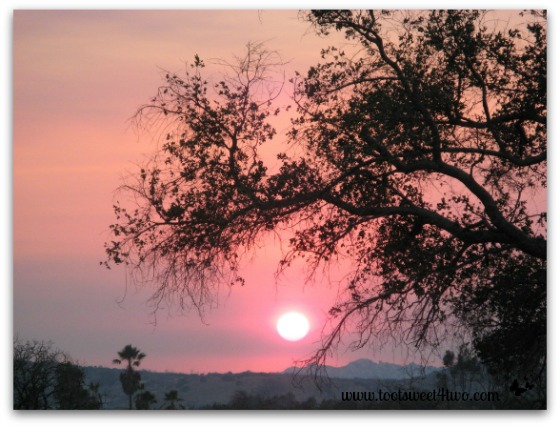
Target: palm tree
(145, 398)
(172, 398)
(130, 379)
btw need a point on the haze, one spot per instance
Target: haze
(78, 78)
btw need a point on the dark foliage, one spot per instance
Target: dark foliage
(144, 399)
(171, 400)
(71, 391)
(45, 378)
(130, 378)
(419, 155)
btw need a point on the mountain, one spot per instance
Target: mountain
(368, 369)
(205, 390)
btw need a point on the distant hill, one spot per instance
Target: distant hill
(368, 369)
(204, 390)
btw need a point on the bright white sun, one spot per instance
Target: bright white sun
(292, 326)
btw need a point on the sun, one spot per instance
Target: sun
(292, 326)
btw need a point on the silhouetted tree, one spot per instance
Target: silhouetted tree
(464, 368)
(35, 365)
(96, 396)
(130, 379)
(46, 378)
(172, 400)
(448, 359)
(510, 334)
(71, 391)
(144, 399)
(418, 156)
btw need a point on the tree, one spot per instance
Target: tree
(172, 400)
(71, 392)
(130, 379)
(46, 378)
(510, 334)
(420, 155)
(35, 365)
(464, 369)
(144, 399)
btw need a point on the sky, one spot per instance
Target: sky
(78, 77)
(76, 80)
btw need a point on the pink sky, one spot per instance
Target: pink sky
(78, 78)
